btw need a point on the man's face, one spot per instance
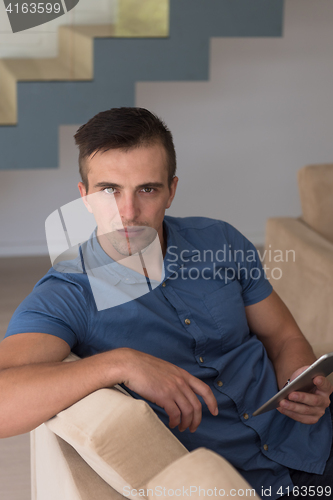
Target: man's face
(129, 195)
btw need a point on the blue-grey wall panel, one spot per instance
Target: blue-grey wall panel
(119, 63)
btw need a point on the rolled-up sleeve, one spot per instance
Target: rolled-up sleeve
(57, 306)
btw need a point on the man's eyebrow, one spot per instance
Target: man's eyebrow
(151, 184)
(118, 186)
(107, 184)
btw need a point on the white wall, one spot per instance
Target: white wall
(266, 111)
(241, 137)
(28, 197)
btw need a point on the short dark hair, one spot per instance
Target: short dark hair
(123, 128)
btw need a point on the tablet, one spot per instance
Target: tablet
(323, 366)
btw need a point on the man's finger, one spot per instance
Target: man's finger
(302, 408)
(308, 399)
(174, 413)
(206, 393)
(187, 411)
(323, 385)
(197, 408)
(304, 419)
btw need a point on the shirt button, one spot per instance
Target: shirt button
(164, 284)
(246, 416)
(187, 321)
(265, 447)
(201, 359)
(219, 383)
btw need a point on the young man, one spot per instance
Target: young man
(205, 346)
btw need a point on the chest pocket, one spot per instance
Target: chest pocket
(226, 307)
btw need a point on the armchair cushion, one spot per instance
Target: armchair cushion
(316, 188)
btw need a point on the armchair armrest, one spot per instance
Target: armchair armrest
(121, 438)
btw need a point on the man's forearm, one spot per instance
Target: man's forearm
(285, 344)
(31, 394)
(295, 353)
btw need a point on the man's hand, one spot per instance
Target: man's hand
(307, 407)
(169, 386)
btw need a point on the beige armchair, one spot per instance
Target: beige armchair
(305, 282)
(109, 445)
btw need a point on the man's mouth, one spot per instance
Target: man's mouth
(131, 231)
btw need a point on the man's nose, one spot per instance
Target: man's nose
(128, 208)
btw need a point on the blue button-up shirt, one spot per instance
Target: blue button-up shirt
(195, 318)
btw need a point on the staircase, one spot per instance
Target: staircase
(74, 63)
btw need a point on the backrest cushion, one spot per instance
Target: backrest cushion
(316, 193)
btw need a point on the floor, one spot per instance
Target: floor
(18, 276)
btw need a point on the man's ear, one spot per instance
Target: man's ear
(83, 193)
(172, 189)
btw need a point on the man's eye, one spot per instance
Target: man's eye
(148, 190)
(110, 190)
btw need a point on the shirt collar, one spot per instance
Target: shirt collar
(95, 257)
(179, 250)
